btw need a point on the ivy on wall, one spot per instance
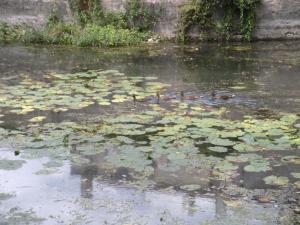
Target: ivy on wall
(238, 18)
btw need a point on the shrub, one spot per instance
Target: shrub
(10, 33)
(96, 28)
(54, 33)
(33, 36)
(140, 15)
(202, 14)
(109, 36)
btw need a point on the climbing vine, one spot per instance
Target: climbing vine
(87, 11)
(203, 14)
(141, 15)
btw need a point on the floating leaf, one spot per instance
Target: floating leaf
(289, 118)
(218, 149)
(242, 147)
(220, 141)
(291, 159)
(296, 175)
(297, 185)
(258, 165)
(226, 166)
(6, 164)
(190, 187)
(274, 180)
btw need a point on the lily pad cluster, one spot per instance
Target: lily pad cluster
(61, 92)
(179, 136)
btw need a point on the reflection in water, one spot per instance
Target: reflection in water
(86, 182)
(220, 207)
(80, 194)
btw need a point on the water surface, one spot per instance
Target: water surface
(71, 181)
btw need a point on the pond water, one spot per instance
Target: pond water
(164, 134)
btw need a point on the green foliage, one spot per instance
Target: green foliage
(54, 33)
(9, 33)
(108, 36)
(92, 34)
(197, 12)
(96, 27)
(203, 15)
(87, 11)
(140, 15)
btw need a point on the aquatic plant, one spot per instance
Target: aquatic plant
(162, 134)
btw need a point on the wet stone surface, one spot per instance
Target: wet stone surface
(162, 135)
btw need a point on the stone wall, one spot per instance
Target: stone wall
(276, 19)
(32, 12)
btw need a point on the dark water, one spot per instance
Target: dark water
(264, 77)
(265, 74)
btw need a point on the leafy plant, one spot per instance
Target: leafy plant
(140, 15)
(9, 33)
(94, 35)
(202, 14)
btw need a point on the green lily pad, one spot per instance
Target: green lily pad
(226, 166)
(243, 147)
(243, 158)
(190, 187)
(296, 175)
(220, 141)
(274, 180)
(125, 140)
(5, 196)
(53, 164)
(6, 164)
(37, 119)
(289, 118)
(46, 172)
(258, 165)
(218, 149)
(291, 159)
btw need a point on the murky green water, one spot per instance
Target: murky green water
(134, 136)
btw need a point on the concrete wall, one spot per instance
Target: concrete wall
(276, 19)
(32, 12)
